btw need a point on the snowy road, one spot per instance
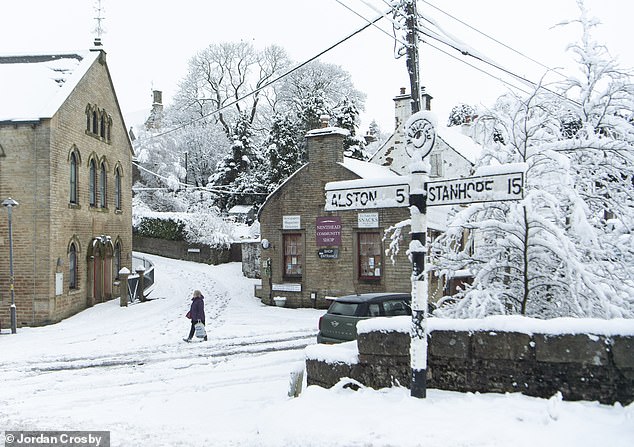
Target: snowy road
(127, 371)
(111, 366)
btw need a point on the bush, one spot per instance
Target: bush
(169, 229)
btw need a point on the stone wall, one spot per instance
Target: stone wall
(186, 251)
(582, 366)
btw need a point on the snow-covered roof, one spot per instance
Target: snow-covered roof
(365, 169)
(394, 154)
(35, 86)
(328, 131)
(241, 209)
(460, 142)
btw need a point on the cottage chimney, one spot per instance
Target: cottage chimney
(426, 100)
(402, 108)
(324, 121)
(325, 145)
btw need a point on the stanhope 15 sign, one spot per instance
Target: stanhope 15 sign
(490, 188)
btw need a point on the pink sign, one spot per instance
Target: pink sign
(328, 231)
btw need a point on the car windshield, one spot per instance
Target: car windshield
(339, 308)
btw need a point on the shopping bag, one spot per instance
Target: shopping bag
(200, 330)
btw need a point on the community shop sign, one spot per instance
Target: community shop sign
(328, 231)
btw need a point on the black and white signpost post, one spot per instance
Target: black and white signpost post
(420, 134)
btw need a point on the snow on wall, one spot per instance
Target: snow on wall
(506, 323)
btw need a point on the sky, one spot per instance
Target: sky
(127, 371)
(149, 43)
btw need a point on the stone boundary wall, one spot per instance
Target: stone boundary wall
(582, 366)
(187, 251)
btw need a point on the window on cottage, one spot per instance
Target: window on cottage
(103, 186)
(370, 255)
(293, 253)
(117, 189)
(93, 183)
(73, 178)
(436, 165)
(72, 267)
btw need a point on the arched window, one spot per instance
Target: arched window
(72, 267)
(88, 118)
(103, 184)
(109, 129)
(117, 189)
(102, 125)
(95, 122)
(93, 183)
(73, 178)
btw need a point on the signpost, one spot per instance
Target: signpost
(358, 195)
(491, 188)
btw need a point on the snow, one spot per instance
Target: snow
(367, 170)
(33, 90)
(508, 323)
(126, 370)
(460, 142)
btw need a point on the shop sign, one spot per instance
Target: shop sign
(287, 287)
(368, 220)
(328, 253)
(328, 231)
(291, 222)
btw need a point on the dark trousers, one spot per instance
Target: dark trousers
(193, 329)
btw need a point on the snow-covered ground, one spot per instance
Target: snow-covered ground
(127, 371)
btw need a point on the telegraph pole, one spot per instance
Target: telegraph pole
(411, 22)
(420, 136)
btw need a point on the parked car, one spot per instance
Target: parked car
(339, 323)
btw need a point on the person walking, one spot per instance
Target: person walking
(196, 313)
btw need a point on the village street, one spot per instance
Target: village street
(127, 371)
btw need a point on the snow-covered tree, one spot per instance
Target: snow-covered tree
(237, 175)
(554, 253)
(346, 116)
(461, 114)
(285, 149)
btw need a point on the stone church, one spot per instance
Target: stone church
(65, 157)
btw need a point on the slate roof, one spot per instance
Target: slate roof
(33, 87)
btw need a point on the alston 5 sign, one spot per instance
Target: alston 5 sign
(366, 197)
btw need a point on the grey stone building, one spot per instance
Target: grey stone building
(65, 157)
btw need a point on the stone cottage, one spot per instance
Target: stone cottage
(312, 250)
(65, 157)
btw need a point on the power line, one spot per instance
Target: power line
(493, 39)
(215, 189)
(433, 35)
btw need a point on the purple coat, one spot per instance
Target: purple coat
(198, 309)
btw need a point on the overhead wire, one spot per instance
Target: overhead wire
(464, 51)
(535, 61)
(396, 39)
(219, 189)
